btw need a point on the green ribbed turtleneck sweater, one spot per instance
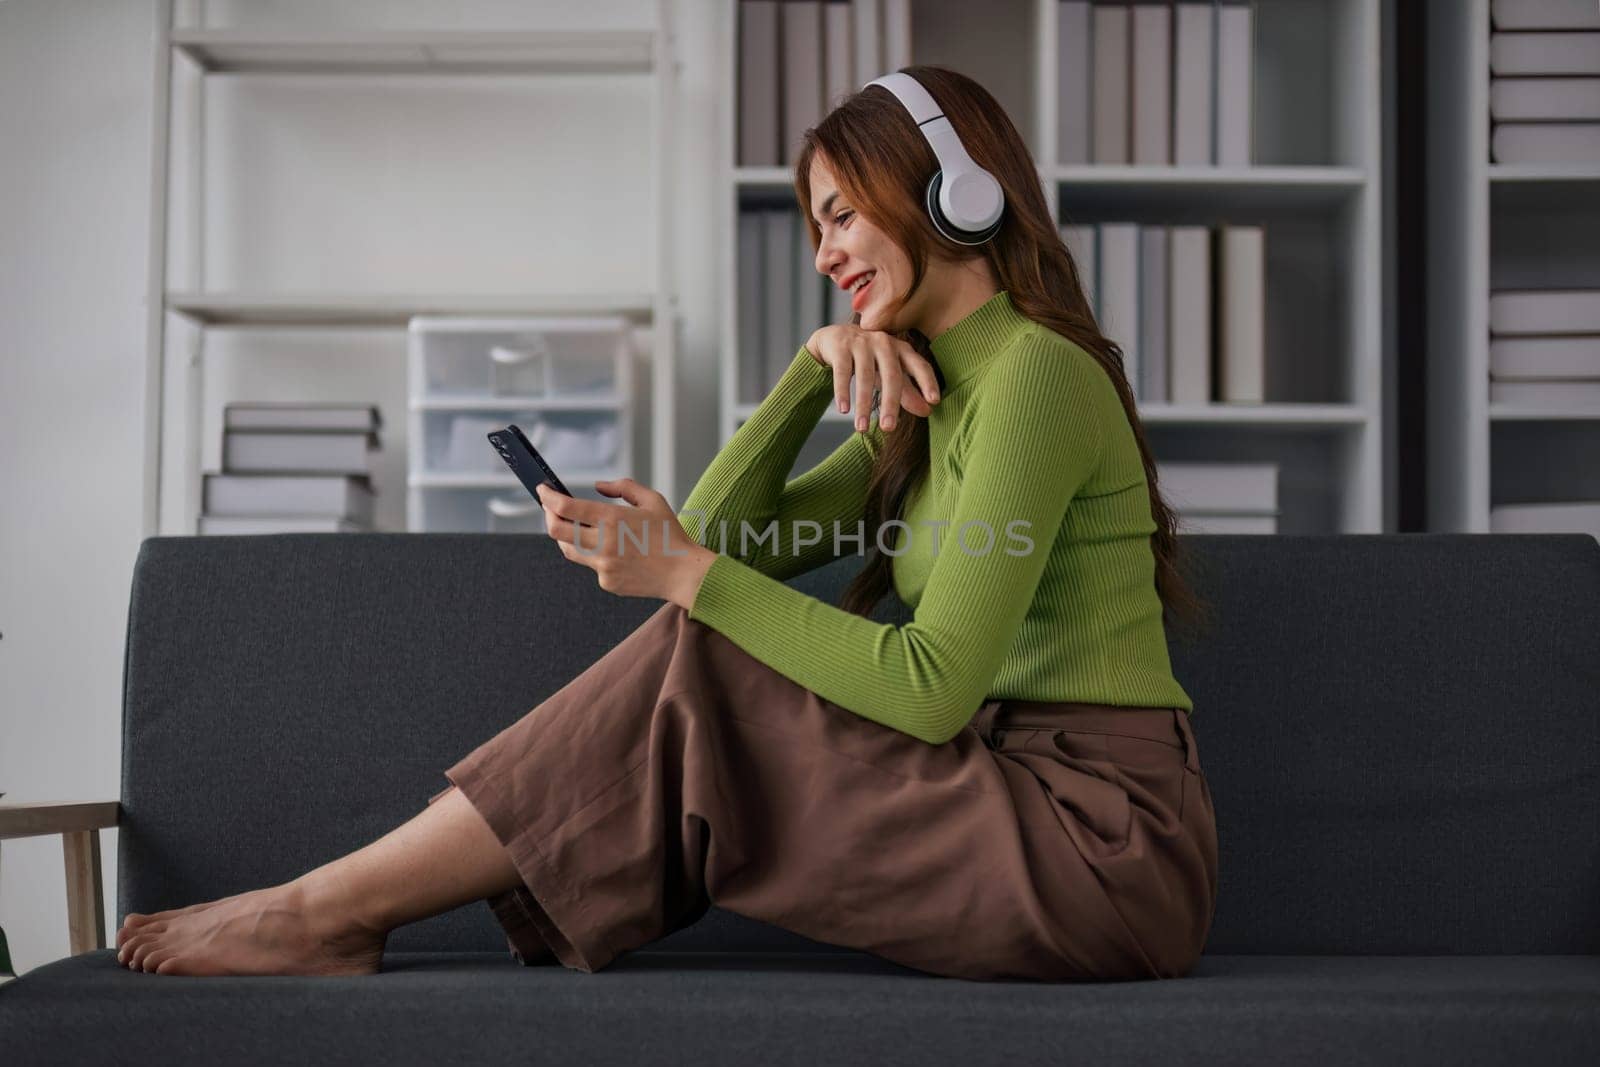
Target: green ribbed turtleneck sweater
(1053, 595)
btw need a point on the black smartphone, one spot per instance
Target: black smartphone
(524, 460)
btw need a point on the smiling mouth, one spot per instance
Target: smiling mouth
(857, 294)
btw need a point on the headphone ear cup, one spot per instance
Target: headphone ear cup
(948, 228)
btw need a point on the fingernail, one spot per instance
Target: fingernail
(887, 422)
(842, 407)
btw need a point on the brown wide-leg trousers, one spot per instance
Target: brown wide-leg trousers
(1045, 841)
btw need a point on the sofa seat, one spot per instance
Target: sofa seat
(809, 1008)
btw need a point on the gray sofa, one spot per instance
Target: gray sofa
(1401, 732)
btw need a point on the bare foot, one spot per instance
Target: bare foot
(287, 929)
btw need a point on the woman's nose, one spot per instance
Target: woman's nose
(828, 253)
(827, 256)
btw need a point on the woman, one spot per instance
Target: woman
(1005, 787)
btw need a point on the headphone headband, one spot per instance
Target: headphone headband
(964, 201)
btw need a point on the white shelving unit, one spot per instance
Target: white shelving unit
(1315, 184)
(181, 317)
(1495, 226)
(566, 374)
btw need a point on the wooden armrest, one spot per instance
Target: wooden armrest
(79, 825)
(32, 820)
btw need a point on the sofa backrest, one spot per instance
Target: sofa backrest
(1401, 732)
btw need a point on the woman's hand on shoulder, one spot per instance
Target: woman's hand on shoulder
(876, 360)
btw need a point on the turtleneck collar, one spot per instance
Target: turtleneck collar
(964, 348)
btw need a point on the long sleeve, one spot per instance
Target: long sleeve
(743, 493)
(1034, 436)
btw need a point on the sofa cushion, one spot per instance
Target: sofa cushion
(709, 1008)
(1401, 732)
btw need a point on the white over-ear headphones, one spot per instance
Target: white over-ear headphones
(964, 201)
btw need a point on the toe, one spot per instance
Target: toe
(136, 938)
(129, 930)
(154, 959)
(140, 949)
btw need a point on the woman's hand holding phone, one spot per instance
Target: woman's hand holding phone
(656, 558)
(878, 361)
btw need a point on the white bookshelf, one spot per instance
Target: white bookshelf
(185, 317)
(391, 309)
(409, 52)
(1495, 226)
(1315, 184)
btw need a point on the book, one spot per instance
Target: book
(1546, 142)
(1544, 311)
(801, 91)
(1550, 99)
(760, 70)
(752, 307)
(1154, 262)
(1194, 117)
(1119, 292)
(1545, 14)
(1219, 488)
(1189, 315)
(1241, 326)
(1083, 243)
(864, 18)
(781, 344)
(275, 524)
(1544, 53)
(1108, 137)
(289, 452)
(1545, 357)
(1553, 394)
(1235, 76)
(338, 495)
(1577, 516)
(838, 54)
(810, 298)
(296, 416)
(1151, 84)
(896, 33)
(1074, 58)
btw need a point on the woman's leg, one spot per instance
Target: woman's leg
(333, 919)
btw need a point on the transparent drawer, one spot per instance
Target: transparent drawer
(524, 357)
(509, 510)
(577, 441)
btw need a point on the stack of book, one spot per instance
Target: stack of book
(1221, 498)
(293, 468)
(1544, 81)
(1186, 304)
(797, 58)
(782, 298)
(1544, 348)
(1155, 83)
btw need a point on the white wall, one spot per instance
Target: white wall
(75, 116)
(75, 83)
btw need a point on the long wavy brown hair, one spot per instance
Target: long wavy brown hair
(882, 163)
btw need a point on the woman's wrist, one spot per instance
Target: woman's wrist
(811, 347)
(691, 572)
